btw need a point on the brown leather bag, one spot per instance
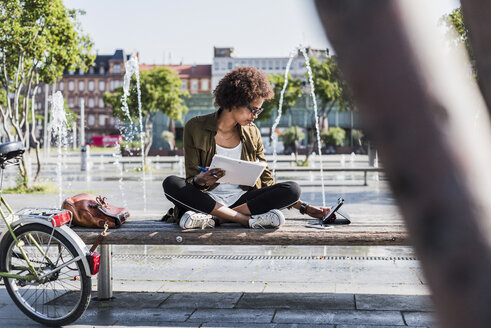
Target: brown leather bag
(93, 212)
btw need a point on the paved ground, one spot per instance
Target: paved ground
(203, 286)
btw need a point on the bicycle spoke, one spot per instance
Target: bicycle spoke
(57, 297)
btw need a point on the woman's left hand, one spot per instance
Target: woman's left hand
(317, 212)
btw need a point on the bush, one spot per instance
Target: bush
(335, 136)
(130, 144)
(357, 135)
(168, 137)
(292, 134)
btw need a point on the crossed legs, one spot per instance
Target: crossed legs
(258, 201)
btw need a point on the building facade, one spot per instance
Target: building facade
(225, 59)
(103, 76)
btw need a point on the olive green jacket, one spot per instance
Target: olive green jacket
(200, 147)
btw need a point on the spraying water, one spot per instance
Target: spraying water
(274, 136)
(57, 128)
(132, 67)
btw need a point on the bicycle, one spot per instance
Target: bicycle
(46, 267)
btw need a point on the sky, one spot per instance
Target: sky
(185, 31)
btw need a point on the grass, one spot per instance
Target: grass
(37, 189)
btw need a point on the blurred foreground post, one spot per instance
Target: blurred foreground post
(422, 109)
(477, 15)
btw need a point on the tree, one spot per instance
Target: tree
(160, 92)
(292, 92)
(39, 39)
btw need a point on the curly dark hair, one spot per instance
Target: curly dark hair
(241, 86)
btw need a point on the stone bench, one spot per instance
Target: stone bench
(294, 232)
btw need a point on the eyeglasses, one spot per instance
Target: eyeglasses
(255, 111)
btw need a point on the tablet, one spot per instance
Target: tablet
(238, 171)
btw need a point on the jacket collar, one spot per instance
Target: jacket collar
(211, 123)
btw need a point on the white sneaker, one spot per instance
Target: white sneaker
(271, 219)
(190, 220)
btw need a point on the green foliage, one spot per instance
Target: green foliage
(455, 21)
(329, 85)
(44, 36)
(160, 91)
(39, 39)
(130, 144)
(292, 134)
(37, 189)
(335, 136)
(293, 91)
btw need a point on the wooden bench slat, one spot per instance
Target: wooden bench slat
(293, 233)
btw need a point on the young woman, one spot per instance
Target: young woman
(200, 199)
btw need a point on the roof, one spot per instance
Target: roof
(184, 71)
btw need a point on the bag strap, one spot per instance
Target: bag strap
(100, 238)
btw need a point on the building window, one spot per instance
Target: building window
(91, 70)
(102, 86)
(263, 64)
(101, 70)
(102, 120)
(80, 71)
(270, 65)
(91, 85)
(277, 65)
(71, 86)
(117, 68)
(61, 85)
(184, 85)
(81, 85)
(230, 65)
(204, 84)
(71, 102)
(194, 84)
(91, 102)
(101, 102)
(71, 72)
(91, 120)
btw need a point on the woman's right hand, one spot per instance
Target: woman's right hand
(207, 178)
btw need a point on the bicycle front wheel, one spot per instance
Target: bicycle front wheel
(54, 289)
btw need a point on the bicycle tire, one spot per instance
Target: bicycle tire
(60, 298)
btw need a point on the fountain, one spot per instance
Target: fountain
(274, 136)
(57, 128)
(132, 67)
